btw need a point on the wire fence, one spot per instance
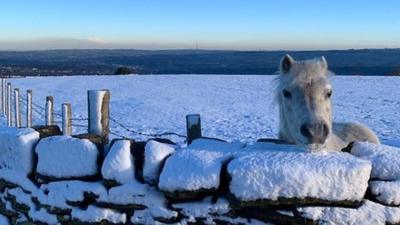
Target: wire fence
(40, 113)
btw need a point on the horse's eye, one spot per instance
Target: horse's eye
(287, 94)
(329, 94)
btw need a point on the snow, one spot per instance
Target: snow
(95, 214)
(236, 108)
(35, 214)
(199, 165)
(4, 220)
(18, 178)
(387, 192)
(58, 193)
(191, 170)
(368, 213)
(327, 176)
(232, 107)
(66, 157)
(216, 145)
(95, 107)
(16, 147)
(385, 159)
(21, 196)
(139, 194)
(154, 155)
(129, 193)
(43, 216)
(269, 146)
(118, 165)
(204, 208)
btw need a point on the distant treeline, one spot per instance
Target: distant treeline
(88, 62)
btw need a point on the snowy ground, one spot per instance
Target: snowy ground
(231, 107)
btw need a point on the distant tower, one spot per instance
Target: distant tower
(197, 45)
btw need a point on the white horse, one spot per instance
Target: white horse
(304, 96)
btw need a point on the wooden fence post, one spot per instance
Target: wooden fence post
(193, 127)
(8, 109)
(49, 113)
(66, 119)
(3, 96)
(98, 113)
(29, 108)
(17, 113)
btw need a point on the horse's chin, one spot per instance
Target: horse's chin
(314, 147)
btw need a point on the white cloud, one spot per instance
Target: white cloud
(98, 40)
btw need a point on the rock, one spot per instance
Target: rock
(63, 158)
(154, 158)
(297, 178)
(386, 192)
(17, 148)
(385, 159)
(118, 164)
(47, 131)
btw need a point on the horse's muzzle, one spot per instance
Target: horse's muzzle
(316, 133)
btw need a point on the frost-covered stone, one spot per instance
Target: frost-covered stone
(386, 192)
(66, 157)
(96, 215)
(118, 164)
(279, 176)
(368, 213)
(385, 159)
(16, 147)
(154, 155)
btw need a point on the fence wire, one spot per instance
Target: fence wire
(40, 111)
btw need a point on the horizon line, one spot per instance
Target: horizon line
(194, 49)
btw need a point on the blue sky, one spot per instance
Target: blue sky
(213, 24)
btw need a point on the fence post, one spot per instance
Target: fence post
(29, 108)
(8, 110)
(98, 113)
(66, 119)
(193, 127)
(3, 96)
(16, 108)
(49, 114)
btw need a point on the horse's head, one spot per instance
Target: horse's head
(303, 95)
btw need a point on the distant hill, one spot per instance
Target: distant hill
(87, 62)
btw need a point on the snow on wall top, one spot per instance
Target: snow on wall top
(65, 157)
(118, 164)
(385, 159)
(154, 154)
(270, 175)
(16, 148)
(190, 170)
(196, 167)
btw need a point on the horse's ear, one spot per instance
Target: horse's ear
(286, 63)
(324, 63)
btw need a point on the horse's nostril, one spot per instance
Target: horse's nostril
(304, 130)
(325, 131)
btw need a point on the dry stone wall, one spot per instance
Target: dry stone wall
(53, 179)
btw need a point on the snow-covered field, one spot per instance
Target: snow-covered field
(238, 107)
